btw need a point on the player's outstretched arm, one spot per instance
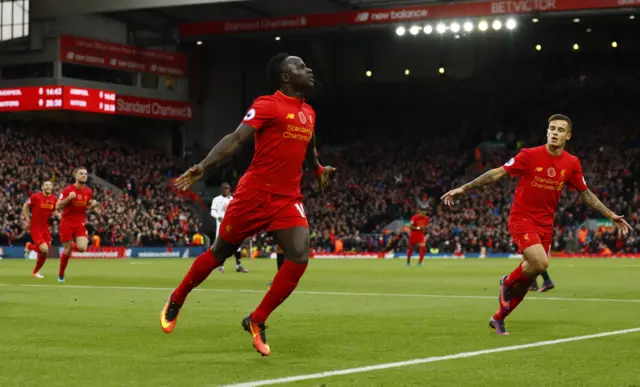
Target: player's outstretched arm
(228, 145)
(489, 177)
(592, 201)
(322, 173)
(223, 149)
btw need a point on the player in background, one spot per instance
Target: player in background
(74, 202)
(543, 172)
(218, 208)
(268, 195)
(279, 256)
(418, 225)
(547, 284)
(279, 260)
(42, 205)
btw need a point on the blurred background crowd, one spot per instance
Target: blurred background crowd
(440, 135)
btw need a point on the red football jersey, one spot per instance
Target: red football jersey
(41, 209)
(75, 211)
(419, 221)
(542, 177)
(284, 126)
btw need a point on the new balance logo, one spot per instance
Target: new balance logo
(290, 116)
(539, 169)
(362, 17)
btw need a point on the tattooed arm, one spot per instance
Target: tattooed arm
(592, 201)
(489, 177)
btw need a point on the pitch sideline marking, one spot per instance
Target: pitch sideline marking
(408, 295)
(433, 359)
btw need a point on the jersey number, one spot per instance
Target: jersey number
(300, 210)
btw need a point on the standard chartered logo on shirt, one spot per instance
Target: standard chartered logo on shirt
(510, 162)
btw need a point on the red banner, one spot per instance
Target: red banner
(153, 108)
(401, 14)
(123, 57)
(57, 98)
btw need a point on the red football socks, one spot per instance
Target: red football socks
(516, 276)
(423, 251)
(199, 271)
(64, 260)
(501, 314)
(74, 246)
(40, 262)
(409, 251)
(519, 294)
(284, 283)
(34, 248)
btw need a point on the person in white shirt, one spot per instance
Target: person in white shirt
(218, 208)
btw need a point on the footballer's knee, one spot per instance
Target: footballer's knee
(299, 252)
(295, 243)
(536, 258)
(539, 264)
(44, 249)
(222, 249)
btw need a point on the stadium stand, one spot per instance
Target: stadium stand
(379, 180)
(143, 213)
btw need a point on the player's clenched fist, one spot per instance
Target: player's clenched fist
(72, 195)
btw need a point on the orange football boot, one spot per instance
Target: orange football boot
(169, 316)
(258, 334)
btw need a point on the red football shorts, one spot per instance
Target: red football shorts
(416, 239)
(252, 211)
(41, 237)
(526, 234)
(68, 232)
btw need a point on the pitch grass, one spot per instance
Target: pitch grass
(62, 335)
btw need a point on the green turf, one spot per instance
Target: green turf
(62, 335)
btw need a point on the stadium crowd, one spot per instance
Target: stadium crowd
(444, 133)
(139, 211)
